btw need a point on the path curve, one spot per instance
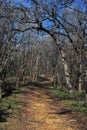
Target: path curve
(40, 112)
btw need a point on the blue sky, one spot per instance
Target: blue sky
(78, 3)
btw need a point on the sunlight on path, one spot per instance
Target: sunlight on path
(39, 113)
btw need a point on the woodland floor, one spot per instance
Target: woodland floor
(42, 111)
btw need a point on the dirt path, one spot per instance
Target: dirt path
(40, 112)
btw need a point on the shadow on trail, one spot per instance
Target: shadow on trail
(7, 104)
(42, 82)
(42, 108)
(3, 115)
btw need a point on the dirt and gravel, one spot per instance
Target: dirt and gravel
(42, 111)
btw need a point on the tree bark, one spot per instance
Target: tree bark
(0, 94)
(36, 69)
(80, 79)
(86, 98)
(66, 71)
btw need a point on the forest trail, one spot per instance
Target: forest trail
(40, 111)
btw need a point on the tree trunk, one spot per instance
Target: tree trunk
(0, 93)
(86, 98)
(66, 71)
(80, 79)
(36, 69)
(80, 85)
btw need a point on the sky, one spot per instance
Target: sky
(77, 3)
